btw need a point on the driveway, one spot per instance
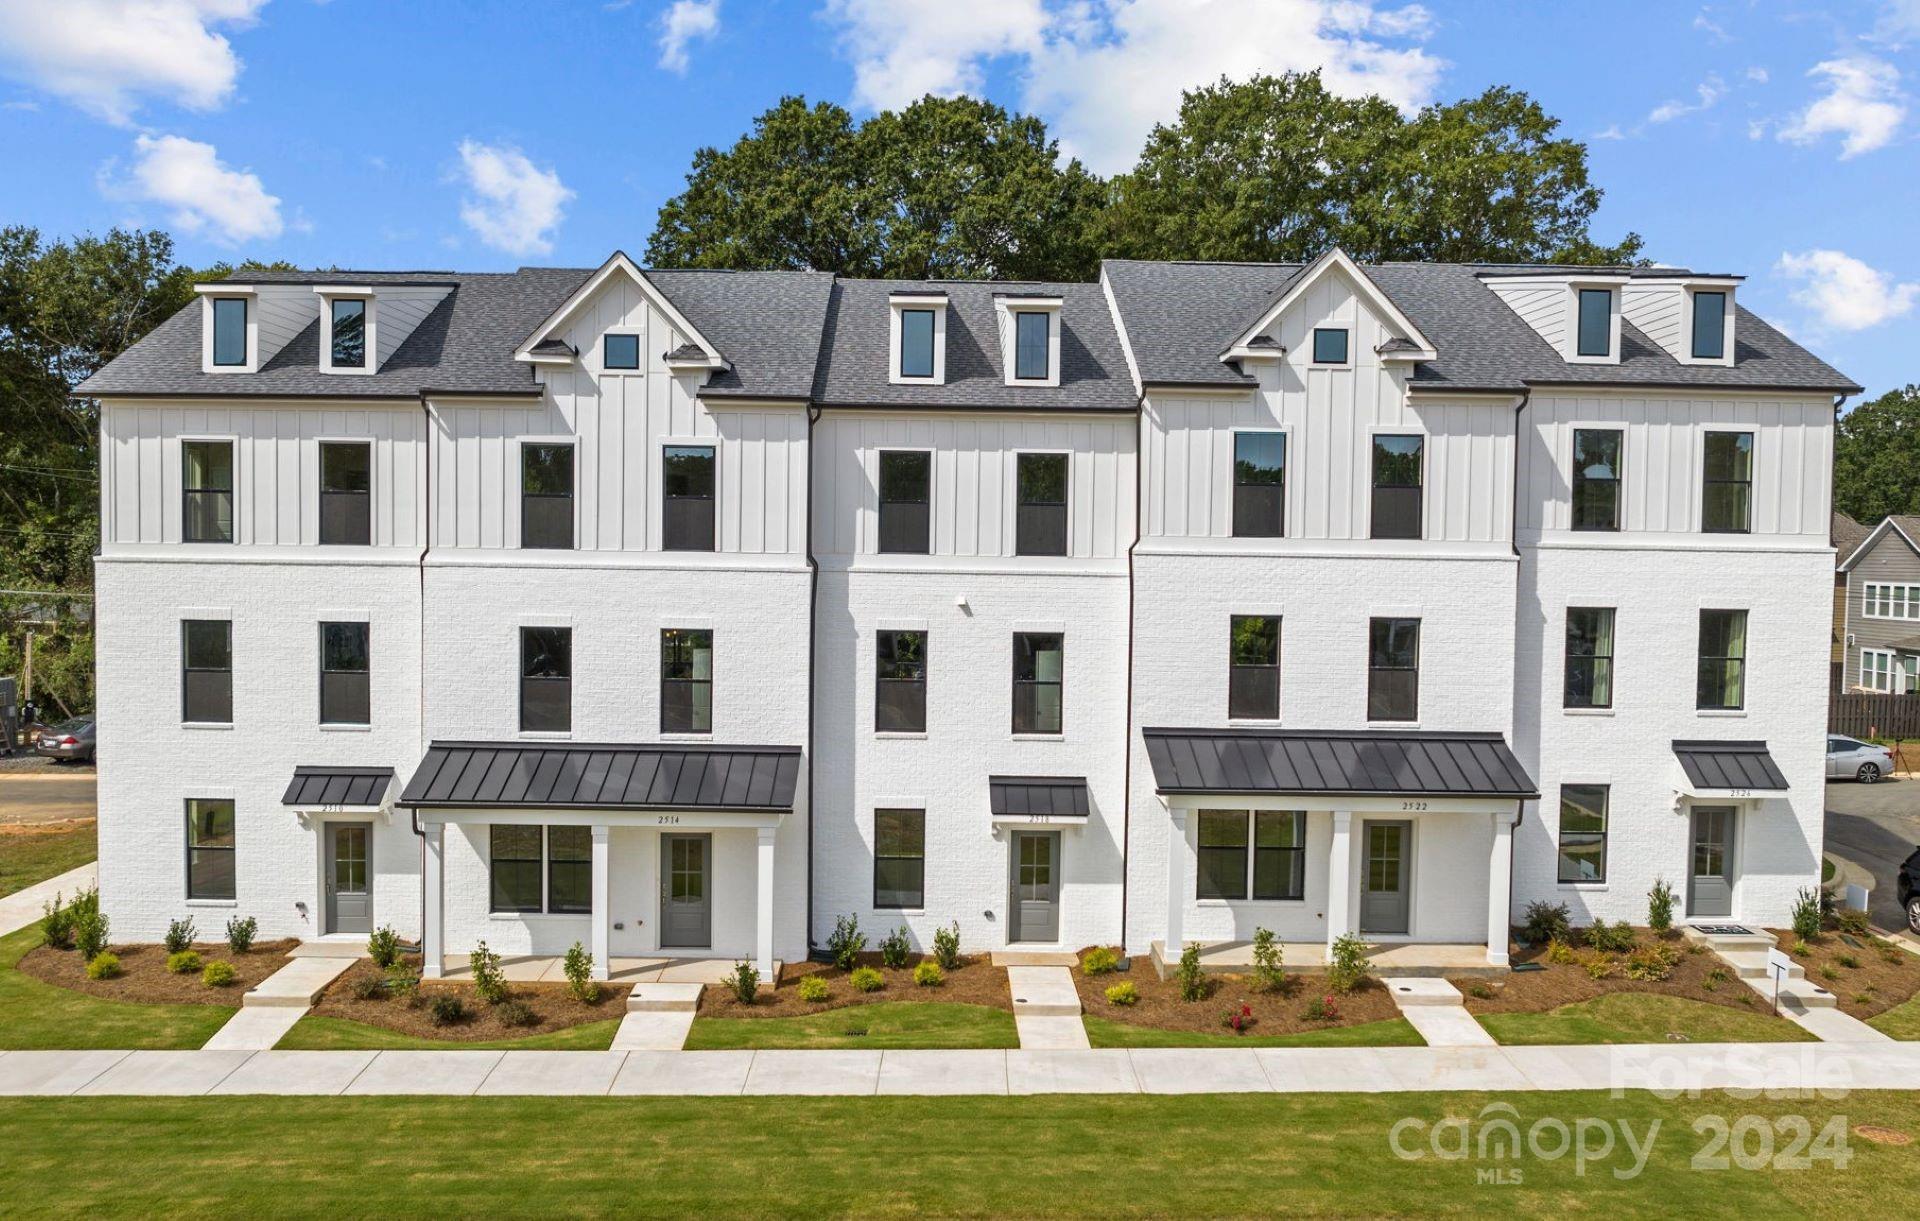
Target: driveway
(1876, 826)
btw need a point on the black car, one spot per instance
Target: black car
(1909, 890)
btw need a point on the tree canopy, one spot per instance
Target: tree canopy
(1876, 457)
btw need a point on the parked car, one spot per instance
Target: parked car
(1909, 891)
(69, 740)
(1863, 761)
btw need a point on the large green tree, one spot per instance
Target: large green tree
(1876, 457)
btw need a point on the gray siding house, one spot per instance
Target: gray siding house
(1882, 631)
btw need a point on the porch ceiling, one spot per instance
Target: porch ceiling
(604, 776)
(1375, 763)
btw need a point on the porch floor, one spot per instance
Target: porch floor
(1390, 960)
(550, 969)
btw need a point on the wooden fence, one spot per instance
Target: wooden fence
(1874, 716)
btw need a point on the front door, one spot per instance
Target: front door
(1710, 892)
(1036, 886)
(1384, 889)
(349, 877)
(686, 898)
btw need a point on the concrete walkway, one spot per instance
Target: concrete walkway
(1435, 1008)
(274, 1004)
(1046, 1008)
(23, 907)
(1668, 1067)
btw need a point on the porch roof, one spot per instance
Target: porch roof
(604, 776)
(338, 786)
(1031, 796)
(1730, 765)
(1374, 763)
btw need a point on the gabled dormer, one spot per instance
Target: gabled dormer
(917, 338)
(1029, 326)
(1578, 312)
(607, 324)
(1330, 343)
(1690, 316)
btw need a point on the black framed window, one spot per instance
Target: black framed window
(1723, 660)
(1040, 518)
(346, 493)
(906, 483)
(513, 866)
(546, 679)
(210, 840)
(620, 352)
(1393, 670)
(1329, 345)
(546, 496)
(206, 482)
(1709, 326)
(1253, 673)
(916, 343)
(1279, 854)
(344, 687)
(687, 490)
(1589, 679)
(1596, 478)
(569, 869)
(229, 331)
(686, 681)
(1223, 855)
(1396, 486)
(1039, 672)
(1727, 505)
(900, 858)
(1031, 339)
(1583, 832)
(206, 656)
(349, 333)
(1259, 484)
(900, 682)
(1594, 335)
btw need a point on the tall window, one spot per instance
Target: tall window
(1596, 478)
(1589, 657)
(513, 854)
(1039, 668)
(916, 343)
(899, 858)
(1329, 345)
(1040, 523)
(1396, 486)
(620, 352)
(906, 480)
(229, 331)
(206, 481)
(206, 656)
(1595, 336)
(1031, 336)
(1393, 670)
(346, 493)
(546, 679)
(1876, 669)
(1723, 659)
(1880, 601)
(546, 496)
(900, 684)
(1709, 326)
(688, 491)
(1259, 484)
(1583, 833)
(686, 681)
(344, 694)
(210, 871)
(1253, 677)
(1728, 504)
(349, 333)
(1273, 868)
(569, 869)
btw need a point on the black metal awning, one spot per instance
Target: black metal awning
(1730, 765)
(1038, 796)
(1379, 763)
(312, 787)
(582, 776)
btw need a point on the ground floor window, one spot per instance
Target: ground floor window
(569, 869)
(210, 872)
(900, 858)
(514, 853)
(1257, 853)
(1583, 833)
(520, 857)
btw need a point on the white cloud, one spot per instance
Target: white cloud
(513, 205)
(1711, 28)
(1707, 92)
(905, 49)
(1863, 105)
(105, 56)
(203, 195)
(1610, 132)
(682, 23)
(1757, 75)
(1843, 293)
(1899, 23)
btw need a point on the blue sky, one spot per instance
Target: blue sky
(1774, 140)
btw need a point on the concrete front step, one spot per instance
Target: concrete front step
(298, 984)
(1415, 990)
(1043, 992)
(664, 998)
(1752, 964)
(1035, 958)
(1723, 943)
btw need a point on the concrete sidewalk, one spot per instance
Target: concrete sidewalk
(23, 907)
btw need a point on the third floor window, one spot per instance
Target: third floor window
(206, 480)
(1396, 486)
(1727, 496)
(349, 333)
(906, 478)
(546, 496)
(1040, 523)
(346, 493)
(1596, 478)
(687, 498)
(1259, 484)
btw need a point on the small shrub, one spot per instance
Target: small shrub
(929, 975)
(1267, 975)
(488, 979)
(744, 982)
(90, 931)
(578, 965)
(241, 931)
(516, 1013)
(56, 926)
(1347, 963)
(185, 962)
(1610, 938)
(103, 965)
(1237, 1020)
(447, 1009)
(1850, 961)
(1889, 953)
(1599, 966)
(1193, 984)
(813, 989)
(369, 987)
(1801, 949)
(1322, 1009)
(895, 949)
(404, 985)
(217, 975)
(179, 935)
(1546, 922)
(1480, 991)
(845, 942)
(1806, 914)
(1829, 972)
(1559, 953)
(1651, 964)
(383, 946)
(1853, 920)
(946, 946)
(1123, 994)
(866, 979)
(1660, 904)
(1099, 961)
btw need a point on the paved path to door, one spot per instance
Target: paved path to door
(23, 907)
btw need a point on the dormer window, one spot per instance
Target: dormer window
(230, 332)
(349, 319)
(1029, 339)
(1031, 331)
(349, 328)
(916, 343)
(918, 339)
(1595, 330)
(1709, 326)
(1330, 345)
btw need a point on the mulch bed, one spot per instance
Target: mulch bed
(144, 977)
(976, 981)
(551, 1003)
(1698, 975)
(1274, 1013)
(1883, 974)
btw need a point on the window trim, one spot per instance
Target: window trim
(1726, 357)
(1047, 318)
(1013, 673)
(1065, 502)
(186, 810)
(1568, 656)
(896, 337)
(1374, 437)
(877, 858)
(1250, 847)
(249, 332)
(1600, 837)
(1753, 465)
(690, 683)
(368, 323)
(572, 444)
(1233, 666)
(1909, 600)
(639, 358)
(1419, 641)
(881, 502)
(1285, 433)
(320, 485)
(232, 490)
(1313, 347)
(1008, 310)
(1575, 479)
(880, 681)
(366, 630)
(712, 446)
(1701, 658)
(1582, 294)
(521, 678)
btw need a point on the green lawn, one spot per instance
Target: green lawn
(29, 858)
(888, 1026)
(1394, 1032)
(313, 1033)
(1900, 1022)
(39, 1016)
(1104, 1157)
(1642, 1017)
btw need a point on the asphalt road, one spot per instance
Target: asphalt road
(51, 795)
(1876, 826)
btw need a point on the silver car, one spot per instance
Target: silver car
(1863, 761)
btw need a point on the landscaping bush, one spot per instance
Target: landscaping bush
(1347, 963)
(1322, 1009)
(1854, 921)
(369, 987)
(1099, 961)
(1193, 984)
(744, 982)
(895, 949)
(1829, 972)
(1267, 975)
(929, 975)
(1237, 1020)
(1806, 914)
(240, 933)
(103, 966)
(1609, 938)
(488, 979)
(866, 979)
(90, 930)
(578, 965)
(185, 962)
(1546, 922)
(57, 925)
(217, 975)
(1480, 991)
(447, 1010)
(946, 946)
(1660, 904)
(404, 985)
(1651, 964)
(383, 946)
(813, 989)
(845, 942)
(1598, 966)
(1715, 977)
(1123, 994)
(1559, 952)
(1850, 961)
(516, 1013)
(179, 935)
(1801, 949)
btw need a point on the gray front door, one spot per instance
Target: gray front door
(1036, 886)
(349, 877)
(1385, 878)
(686, 893)
(1710, 891)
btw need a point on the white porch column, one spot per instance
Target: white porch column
(763, 911)
(602, 916)
(1500, 887)
(433, 934)
(1179, 869)
(1340, 877)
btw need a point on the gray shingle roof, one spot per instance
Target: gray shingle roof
(1730, 765)
(338, 786)
(1375, 763)
(766, 325)
(574, 775)
(1845, 534)
(1038, 796)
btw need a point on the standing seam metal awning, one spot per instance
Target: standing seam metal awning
(1730, 765)
(1383, 763)
(569, 775)
(1034, 796)
(338, 786)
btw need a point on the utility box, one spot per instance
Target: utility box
(9, 714)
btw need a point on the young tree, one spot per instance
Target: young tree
(1876, 457)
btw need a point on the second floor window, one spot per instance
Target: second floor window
(1596, 478)
(1040, 521)
(1723, 659)
(686, 681)
(1595, 324)
(687, 491)
(346, 493)
(1589, 680)
(906, 477)
(1396, 486)
(1253, 678)
(546, 496)
(206, 647)
(1393, 670)
(349, 333)
(229, 331)
(344, 685)
(1709, 326)
(1727, 507)
(900, 691)
(1583, 833)
(1031, 330)
(916, 343)
(1259, 484)
(1039, 670)
(206, 480)
(1882, 601)
(546, 679)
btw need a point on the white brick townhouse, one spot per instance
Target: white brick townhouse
(679, 613)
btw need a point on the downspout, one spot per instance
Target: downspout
(1513, 523)
(813, 648)
(1126, 756)
(420, 565)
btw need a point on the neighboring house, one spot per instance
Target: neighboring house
(1845, 534)
(679, 612)
(1881, 630)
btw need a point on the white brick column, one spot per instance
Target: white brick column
(1340, 877)
(763, 910)
(1179, 869)
(602, 907)
(1500, 886)
(433, 933)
